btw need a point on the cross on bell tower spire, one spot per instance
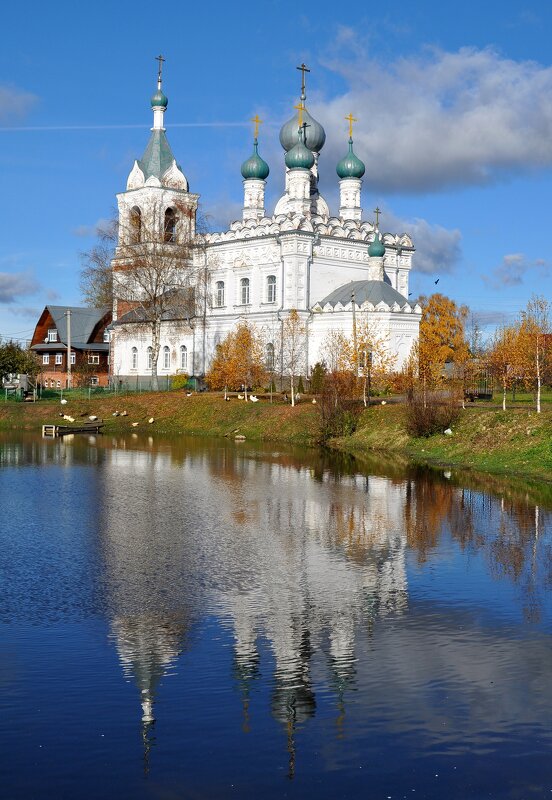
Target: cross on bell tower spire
(160, 70)
(303, 68)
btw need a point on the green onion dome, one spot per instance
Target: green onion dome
(350, 166)
(255, 166)
(159, 99)
(315, 136)
(376, 249)
(299, 157)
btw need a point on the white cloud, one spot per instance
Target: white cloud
(221, 213)
(15, 103)
(101, 226)
(437, 248)
(16, 284)
(513, 269)
(439, 119)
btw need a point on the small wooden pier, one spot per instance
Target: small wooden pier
(51, 431)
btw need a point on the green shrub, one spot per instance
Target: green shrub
(180, 381)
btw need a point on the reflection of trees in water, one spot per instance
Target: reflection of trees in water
(506, 530)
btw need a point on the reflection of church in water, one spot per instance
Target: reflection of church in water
(303, 571)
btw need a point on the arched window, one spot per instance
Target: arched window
(150, 358)
(134, 358)
(244, 291)
(271, 289)
(219, 294)
(183, 357)
(166, 357)
(270, 357)
(135, 233)
(170, 226)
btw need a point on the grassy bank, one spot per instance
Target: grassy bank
(518, 441)
(487, 439)
(174, 413)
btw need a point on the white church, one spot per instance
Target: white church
(331, 268)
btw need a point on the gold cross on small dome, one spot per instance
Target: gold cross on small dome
(350, 119)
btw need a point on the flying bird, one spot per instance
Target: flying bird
(437, 281)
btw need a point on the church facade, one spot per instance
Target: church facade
(335, 270)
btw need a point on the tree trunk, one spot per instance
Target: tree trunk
(504, 395)
(155, 345)
(292, 390)
(538, 379)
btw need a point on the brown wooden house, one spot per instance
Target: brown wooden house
(89, 346)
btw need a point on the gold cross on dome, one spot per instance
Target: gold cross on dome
(350, 119)
(160, 59)
(303, 68)
(256, 121)
(377, 212)
(300, 108)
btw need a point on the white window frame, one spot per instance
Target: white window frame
(94, 380)
(52, 335)
(219, 294)
(106, 336)
(93, 358)
(134, 358)
(245, 291)
(166, 357)
(73, 358)
(150, 357)
(183, 357)
(45, 358)
(271, 289)
(59, 358)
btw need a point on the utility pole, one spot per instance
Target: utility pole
(68, 315)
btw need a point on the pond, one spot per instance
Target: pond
(208, 619)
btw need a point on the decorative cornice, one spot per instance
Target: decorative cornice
(331, 227)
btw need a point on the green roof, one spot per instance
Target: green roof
(157, 157)
(371, 291)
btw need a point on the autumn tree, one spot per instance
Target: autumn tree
(504, 357)
(370, 356)
(294, 345)
(534, 333)
(365, 357)
(238, 361)
(441, 340)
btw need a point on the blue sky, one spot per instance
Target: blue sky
(454, 108)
